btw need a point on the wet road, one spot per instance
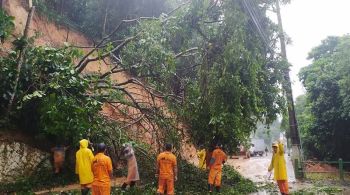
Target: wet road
(255, 168)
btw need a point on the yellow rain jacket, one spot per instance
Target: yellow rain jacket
(83, 163)
(201, 158)
(278, 163)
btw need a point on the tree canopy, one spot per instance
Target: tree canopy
(325, 115)
(204, 58)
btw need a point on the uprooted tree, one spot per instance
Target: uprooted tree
(204, 59)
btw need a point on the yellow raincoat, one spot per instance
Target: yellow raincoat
(83, 163)
(278, 163)
(201, 158)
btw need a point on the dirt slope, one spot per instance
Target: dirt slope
(55, 35)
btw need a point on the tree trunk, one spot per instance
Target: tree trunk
(20, 60)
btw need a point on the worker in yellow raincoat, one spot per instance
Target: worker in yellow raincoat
(201, 157)
(84, 158)
(278, 164)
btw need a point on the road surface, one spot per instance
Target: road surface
(255, 168)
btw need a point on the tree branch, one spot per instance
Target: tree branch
(185, 52)
(110, 35)
(81, 66)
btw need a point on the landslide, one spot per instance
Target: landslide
(55, 35)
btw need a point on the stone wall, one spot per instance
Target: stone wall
(18, 160)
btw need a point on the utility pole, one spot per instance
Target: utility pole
(287, 86)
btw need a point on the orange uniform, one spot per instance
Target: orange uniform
(102, 169)
(283, 186)
(166, 164)
(217, 159)
(58, 157)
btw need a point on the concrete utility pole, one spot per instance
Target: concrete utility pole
(287, 86)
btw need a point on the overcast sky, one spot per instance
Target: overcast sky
(307, 22)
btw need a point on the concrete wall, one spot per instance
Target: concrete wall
(18, 160)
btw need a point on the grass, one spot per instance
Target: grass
(326, 176)
(319, 190)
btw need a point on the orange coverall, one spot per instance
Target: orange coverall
(102, 169)
(166, 164)
(217, 159)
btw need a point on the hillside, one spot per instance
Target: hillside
(53, 35)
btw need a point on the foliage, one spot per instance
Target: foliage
(235, 83)
(194, 181)
(327, 109)
(41, 178)
(6, 25)
(233, 183)
(318, 190)
(216, 73)
(99, 18)
(206, 55)
(305, 120)
(51, 98)
(268, 187)
(191, 179)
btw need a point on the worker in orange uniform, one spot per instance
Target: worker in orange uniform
(84, 157)
(166, 171)
(278, 164)
(218, 158)
(102, 169)
(58, 157)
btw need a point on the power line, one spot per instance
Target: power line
(257, 24)
(257, 16)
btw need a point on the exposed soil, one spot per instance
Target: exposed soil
(51, 34)
(319, 167)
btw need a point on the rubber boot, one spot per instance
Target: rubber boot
(217, 188)
(210, 189)
(124, 186)
(85, 191)
(132, 184)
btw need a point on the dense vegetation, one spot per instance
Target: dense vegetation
(99, 18)
(6, 25)
(323, 113)
(204, 58)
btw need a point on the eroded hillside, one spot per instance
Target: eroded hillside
(132, 119)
